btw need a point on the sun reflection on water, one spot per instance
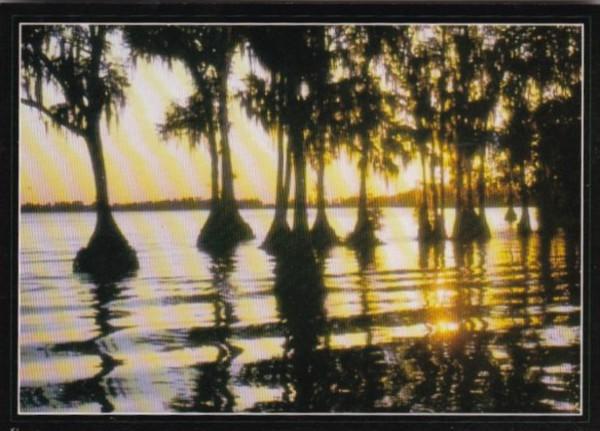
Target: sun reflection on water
(406, 328)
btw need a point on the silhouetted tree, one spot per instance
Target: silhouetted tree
(475, 80)
(264, 99)
(372, 129)
(197, 120)
(327, 126)
(555, 66)
(292, 62)
(420, 83)
(70, 79)
(207, 53)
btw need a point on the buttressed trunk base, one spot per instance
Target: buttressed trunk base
(322, 234)
(524, 226)
(107, 256)
(467, 225)
(225, 227)
(279, 231)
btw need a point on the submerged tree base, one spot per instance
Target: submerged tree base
(524, 225)
(469, 226)
(223, 229)
(484, 227)
(363, 236)
(298, 247)
(425, 232)
(277, 237)
(107, 257)
(438, 232)
(323, 235)
(511, 215)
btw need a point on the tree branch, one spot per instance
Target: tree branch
(61, 122)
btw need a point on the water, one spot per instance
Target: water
(484, 328)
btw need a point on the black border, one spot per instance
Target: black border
(12, 14)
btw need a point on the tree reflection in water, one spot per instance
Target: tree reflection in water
(482, 351)
(212, 387)
(466, 336)
(98, 388)
(317, 376)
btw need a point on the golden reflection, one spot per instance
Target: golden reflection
(192, 329)
(254, 349)
(347, 340)
(440, 297)
(444, 328)
(58, 328)
(144, 361)
(59, 370)
(387, 334)
(343, 304)
(256, 310)
(246, 397)
(157, 317)
(499, 324)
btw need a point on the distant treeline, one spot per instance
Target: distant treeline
(166, 204)
(406, 199)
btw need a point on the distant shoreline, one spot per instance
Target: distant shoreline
(409, 199)
(265, 207)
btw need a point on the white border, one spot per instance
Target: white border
(303, 24)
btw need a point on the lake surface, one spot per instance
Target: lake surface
(482, 328)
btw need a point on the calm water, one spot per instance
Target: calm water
(490, 328)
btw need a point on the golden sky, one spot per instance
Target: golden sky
(55, 166)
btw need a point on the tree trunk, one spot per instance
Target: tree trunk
(108, 254)
(224, 227)
(458, 206)
(442, 191)
(277, 85)
(434, 192)
(363, 236)
(547, 208)
(484, 227)
(227, 190)
(321, 214)
(467, 226)
(279, 197)
(423, 178)
(363, 215)
(322, 233)
(524, 226)
(288, 180)
(470, 203)
(437, 228)
(94, 144)
(300, 225)
(214, 167)
(279, 230)
(424, 225)
(510, 215)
